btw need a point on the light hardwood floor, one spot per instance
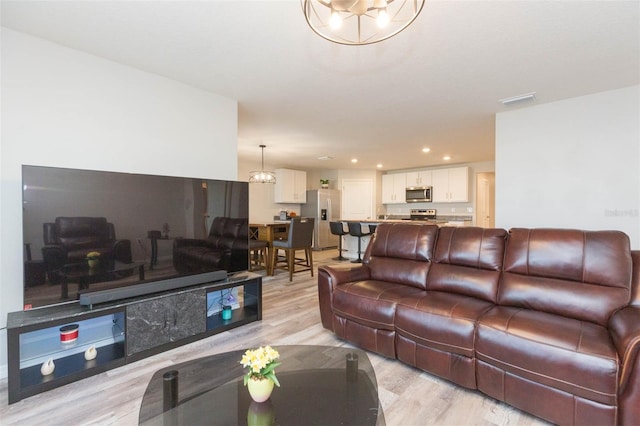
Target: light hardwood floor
(290, 316)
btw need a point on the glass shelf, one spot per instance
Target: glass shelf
(218, 298)
(73, 364)
(239, 316)
(38, 346)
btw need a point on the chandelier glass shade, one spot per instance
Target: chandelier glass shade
(262, 176)
(358, 22)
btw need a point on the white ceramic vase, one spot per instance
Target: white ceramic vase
(47, 367)
(90, 353)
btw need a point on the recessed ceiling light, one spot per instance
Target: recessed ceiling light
(446, 158)
(325, 157)
(379, 166)
(425, 150)
(517, 99)
(354, 160)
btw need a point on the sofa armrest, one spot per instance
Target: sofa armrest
(328, 278)
(54, 256)
(49, 233)
(624, 327)
(121, 250)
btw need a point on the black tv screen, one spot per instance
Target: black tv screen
(86, 231)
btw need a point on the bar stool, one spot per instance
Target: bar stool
(337, 228)
(355, 230)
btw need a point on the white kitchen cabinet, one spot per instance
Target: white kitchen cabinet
(394, 187)
(422, 178)
(291, 186)
(450, 185)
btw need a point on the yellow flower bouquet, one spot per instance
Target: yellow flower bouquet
(261, 363)
(93, 255)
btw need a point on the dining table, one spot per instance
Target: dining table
(269, 232)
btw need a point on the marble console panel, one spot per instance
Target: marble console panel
(165, 319)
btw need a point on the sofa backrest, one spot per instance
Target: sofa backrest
(77, 233)
(401, 253)
(584, 275)
(468, 261)
(229, 233)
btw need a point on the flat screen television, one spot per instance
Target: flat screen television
(90, 231)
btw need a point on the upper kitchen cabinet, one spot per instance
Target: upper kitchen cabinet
(450, 185)
(394, 187)
(291, 186)
(422, 178)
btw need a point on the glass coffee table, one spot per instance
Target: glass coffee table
(104, 271)
(319, 385)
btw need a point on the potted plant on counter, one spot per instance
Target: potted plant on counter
(324, 183)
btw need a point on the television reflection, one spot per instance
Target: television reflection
(93, 230)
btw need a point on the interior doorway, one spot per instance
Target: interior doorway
(357, 199)
(486, 199)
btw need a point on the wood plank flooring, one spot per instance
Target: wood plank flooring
(290, 316)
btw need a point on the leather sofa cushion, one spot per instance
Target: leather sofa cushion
(78, 233)
(480, 248)
(406, 272)
(371, 302)
(401, 253)
(573, 356)
(404, 241)
(443, 321)
(229, 233)
(468, 262)
(584, 275)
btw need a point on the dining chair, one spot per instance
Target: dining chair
(300, 237)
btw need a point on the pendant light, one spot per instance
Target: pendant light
(262, 176)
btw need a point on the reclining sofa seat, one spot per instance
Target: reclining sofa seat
(226, 247)
(362, 310)
(549, 336)
(547, 320)
(436, 332)
(68, 240)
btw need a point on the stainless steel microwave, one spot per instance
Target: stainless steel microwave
(418, 194)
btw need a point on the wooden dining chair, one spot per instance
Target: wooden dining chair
(300, 237)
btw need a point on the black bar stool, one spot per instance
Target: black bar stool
(337, 228)
(355, 230)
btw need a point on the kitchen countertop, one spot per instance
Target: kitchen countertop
(457, 220)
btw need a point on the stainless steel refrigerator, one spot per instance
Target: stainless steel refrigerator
(324, 206)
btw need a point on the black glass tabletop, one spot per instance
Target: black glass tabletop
(320, 385)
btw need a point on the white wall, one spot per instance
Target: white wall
(62, 107)
(573, 163)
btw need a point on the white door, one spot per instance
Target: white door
(357, 199)
(485, 199)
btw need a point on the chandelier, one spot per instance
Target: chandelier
(358, 22)
(262, 176)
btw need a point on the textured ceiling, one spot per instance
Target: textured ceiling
(436, 84)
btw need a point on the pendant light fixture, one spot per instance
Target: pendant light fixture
(262, 176)
(358, 22)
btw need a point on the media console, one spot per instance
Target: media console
(122, 331)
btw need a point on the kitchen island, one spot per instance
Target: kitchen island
(350, 243)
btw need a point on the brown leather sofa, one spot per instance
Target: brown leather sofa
(547, 320)
(226, 248)
(69, 239)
